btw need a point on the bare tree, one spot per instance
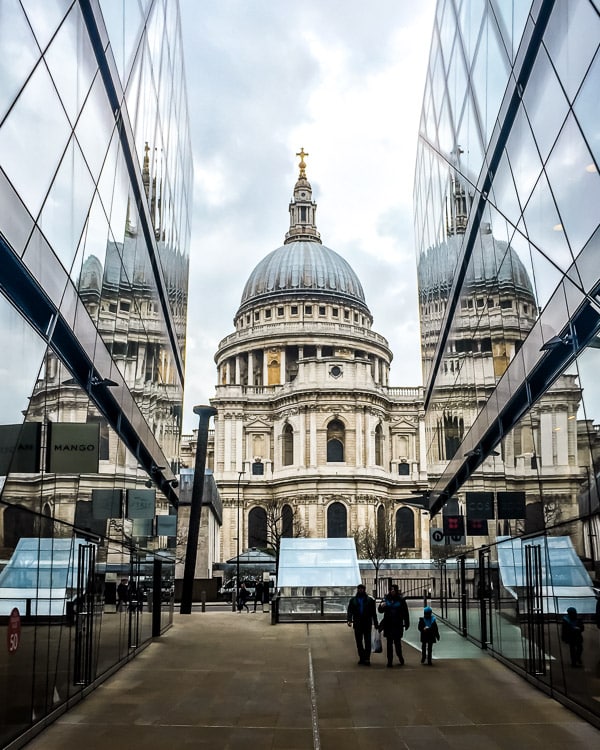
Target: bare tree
(377, 542)
(281, 524)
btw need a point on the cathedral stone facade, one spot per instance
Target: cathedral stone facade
(310, 439)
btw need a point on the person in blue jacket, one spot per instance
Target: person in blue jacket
(430, 633)
(395, 622)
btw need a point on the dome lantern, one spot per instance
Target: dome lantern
(303, 268)
(302, 209)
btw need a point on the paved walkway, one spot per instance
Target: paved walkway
(225, 681)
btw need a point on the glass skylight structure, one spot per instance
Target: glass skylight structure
(95, 181)
(316, 578)
(507, 196)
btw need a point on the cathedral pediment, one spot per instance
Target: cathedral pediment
(403, 424)
(258, 425)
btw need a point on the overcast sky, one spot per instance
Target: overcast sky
(344, 80)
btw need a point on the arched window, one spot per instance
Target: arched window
(381, 525)
(378, 446)
(335, 441)
(287, 522)
(454, 429)
(257, 528)
(405, 528)
(287, 446)
(336, 521)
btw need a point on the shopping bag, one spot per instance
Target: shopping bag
(376, 646)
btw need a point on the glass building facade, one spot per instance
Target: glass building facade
(507, 208)
(95, 195)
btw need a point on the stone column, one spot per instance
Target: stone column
(359, 438)
(301, 438)
(239, 438)
(227, 441)
(369, 438)
(546, 435)
(313, 438)
(250, 369)
(238, 375)
(422, 446)
(265, 377)
(282, 366)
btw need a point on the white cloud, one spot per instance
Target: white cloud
(265, 79)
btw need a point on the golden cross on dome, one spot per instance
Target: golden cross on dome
(302, 164)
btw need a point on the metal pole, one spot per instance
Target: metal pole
(187, 589)
(237, 559)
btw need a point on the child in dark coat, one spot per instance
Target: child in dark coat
(428, 628)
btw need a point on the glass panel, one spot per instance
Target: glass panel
(95, 127)
(123, 23)
(33, 138)
(523, 157)
(543, 87)
(65, 210)
(513, 15)
(489, 80)
(19, 52)
(572, 40)
(586, 110)
(45, 17)
(544, 227)
(19, 371)
(16, 221)
(72, 81)
(576, 188)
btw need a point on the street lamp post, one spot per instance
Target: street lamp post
(237, 559)
(187, 590)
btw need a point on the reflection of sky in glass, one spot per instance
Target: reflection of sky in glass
(19, 53)
(33, 138)
(19, 371)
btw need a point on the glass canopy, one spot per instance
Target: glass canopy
(563, 580)
(318, 562)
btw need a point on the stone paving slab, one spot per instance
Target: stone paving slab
(225, 681)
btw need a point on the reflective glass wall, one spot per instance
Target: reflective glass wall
(507, 192)
(95, 194)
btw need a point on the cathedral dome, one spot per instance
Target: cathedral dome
(304, 269)
(493, 262)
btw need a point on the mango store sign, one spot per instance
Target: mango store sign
(73, 448)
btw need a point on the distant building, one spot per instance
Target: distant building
(507, 191)
(309, 436)
(95, 190)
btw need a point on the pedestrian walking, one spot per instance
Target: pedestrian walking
(243, 597)
(572, 633)
(430, 633)
(122, 595)
(258, 594)
(395, 622)
(362, 616)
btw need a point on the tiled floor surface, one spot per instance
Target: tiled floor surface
(225, 681)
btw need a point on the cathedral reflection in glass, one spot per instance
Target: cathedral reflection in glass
(95, 180)
(507, 196)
